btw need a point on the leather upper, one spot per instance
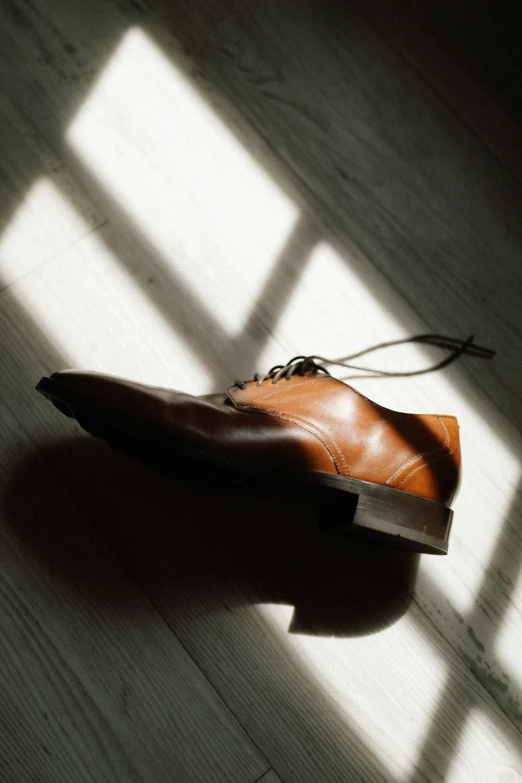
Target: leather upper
(418, 453)
(313, 422)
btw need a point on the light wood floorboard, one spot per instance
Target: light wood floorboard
(191, 193)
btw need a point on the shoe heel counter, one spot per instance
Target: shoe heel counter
(435, 474)
(453, 481)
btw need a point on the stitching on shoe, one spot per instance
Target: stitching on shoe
(395, 414)
(414, 459)
(342, 456)
(424, 465)
(306, 426)
(300, 422)
(291, 388)
(278, 414)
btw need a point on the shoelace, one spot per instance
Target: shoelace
(309, 365)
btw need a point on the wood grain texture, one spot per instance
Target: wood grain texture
(50, 220)
(193, 193)
(302, 636)
(94, 686)
(270, 777)
(430, 47)
(483, 41)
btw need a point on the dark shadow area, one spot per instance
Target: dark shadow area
(485, 38)
(216, 551)
(267, 545)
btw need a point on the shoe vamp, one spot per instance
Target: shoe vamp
(212, 423)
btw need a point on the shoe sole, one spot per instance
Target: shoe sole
(347, 505)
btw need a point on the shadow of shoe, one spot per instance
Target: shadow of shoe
(245, 546)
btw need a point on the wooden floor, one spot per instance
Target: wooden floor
(189, 193)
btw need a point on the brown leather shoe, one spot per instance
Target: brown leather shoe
(381, 473)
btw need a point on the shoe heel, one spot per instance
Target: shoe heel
(388, 515)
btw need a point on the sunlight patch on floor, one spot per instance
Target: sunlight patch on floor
(167, 160)
(344, 670)
(84, 301)
(402, 707)
(504, 767)
(45, 223)
(508, 647)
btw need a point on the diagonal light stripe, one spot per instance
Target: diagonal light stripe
(180, 175)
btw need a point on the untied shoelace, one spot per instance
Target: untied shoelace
(308, 365)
